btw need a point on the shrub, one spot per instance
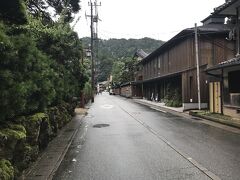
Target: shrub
(6, 170)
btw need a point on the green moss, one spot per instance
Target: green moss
(36, 117)
(17, 127)
(213, 115)
(32, 125)
(52, 114)
(6, 170)
(63, 116)
(219, 116)
(13, 133)
(10, 136)
(199, 112)
(9, 139)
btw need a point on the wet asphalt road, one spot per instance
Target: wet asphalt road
(135, 145)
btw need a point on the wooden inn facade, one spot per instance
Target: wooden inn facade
(172, 67)
(170, 72)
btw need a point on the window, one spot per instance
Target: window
(234, 81)
(159, 61)
(191, 86)
(159, 65)
(155, 66)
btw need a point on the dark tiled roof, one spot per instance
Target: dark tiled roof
(217, 28)
(127, 83)
(223, 6)
(231, 62)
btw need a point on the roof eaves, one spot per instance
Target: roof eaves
(212, 16)
(223, 6)
(185, 34)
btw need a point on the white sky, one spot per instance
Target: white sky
(158, 19)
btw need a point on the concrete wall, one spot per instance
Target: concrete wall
(188, 106)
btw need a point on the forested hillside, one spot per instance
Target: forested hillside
(113, 50)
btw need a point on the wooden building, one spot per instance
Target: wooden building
(116, 90)
(170, 72)
(126, 90)
(138, 75)
(130, 90)
(224, 75)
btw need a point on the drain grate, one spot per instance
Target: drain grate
(100, 125)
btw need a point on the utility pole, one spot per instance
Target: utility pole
(96, 40)
(92, 54)
(197, 64)
(94, 21)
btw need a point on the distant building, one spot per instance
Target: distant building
(129, 89)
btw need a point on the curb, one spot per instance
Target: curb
(190, 115)
(229, 123)
(163, 109)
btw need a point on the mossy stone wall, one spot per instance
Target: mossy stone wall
(23, 138)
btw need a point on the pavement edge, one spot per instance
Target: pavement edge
(63, 153)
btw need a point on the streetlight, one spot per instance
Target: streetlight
(88, 53)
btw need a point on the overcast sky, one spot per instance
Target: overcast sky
(158, 19)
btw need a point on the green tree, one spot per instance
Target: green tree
(25, 76)
(65, 8)
(117, 70)
(129, 69)
(105, 68)
(40, 65)
(13, 11)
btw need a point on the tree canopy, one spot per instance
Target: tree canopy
(39, 60)
(13, 11)
(63, 8)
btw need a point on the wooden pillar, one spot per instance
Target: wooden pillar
(238, 40)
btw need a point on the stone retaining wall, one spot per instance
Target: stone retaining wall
(22, 139)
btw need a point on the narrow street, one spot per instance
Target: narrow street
(120, 139)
